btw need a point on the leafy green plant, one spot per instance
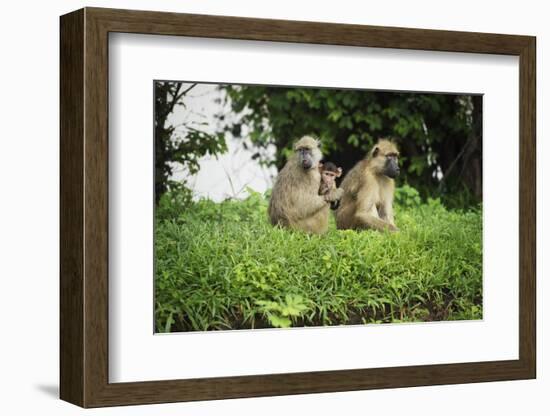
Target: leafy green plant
(407, 196)
(439, 134)
(280, 313)
(223, 266)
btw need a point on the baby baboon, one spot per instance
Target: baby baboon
(329, 173)
(368, 188)
(295, 201)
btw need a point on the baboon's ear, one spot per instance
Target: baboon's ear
(339, 172)
(320, 165)
(375, 151)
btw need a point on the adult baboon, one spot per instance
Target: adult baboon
(295, 201)
(368, 188)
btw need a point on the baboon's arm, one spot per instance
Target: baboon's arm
(364, 217)
(308, 205)
(311, 206)
(334, 195)
(387, 212)
(366, 220)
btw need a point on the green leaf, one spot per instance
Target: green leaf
(279, 321)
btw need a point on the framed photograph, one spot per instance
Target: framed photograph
(255, 207)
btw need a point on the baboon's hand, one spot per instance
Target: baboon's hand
(334, 195)
(393, 228)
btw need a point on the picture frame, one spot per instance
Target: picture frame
(84, 215)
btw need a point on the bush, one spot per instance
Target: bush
(223, 266)
(407, 196)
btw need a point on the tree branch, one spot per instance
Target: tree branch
(455, 161)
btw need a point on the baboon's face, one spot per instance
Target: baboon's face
(386, 159)
(307, 152)
(329, 178)
(329, 174)
(308, 157)
(391, 167)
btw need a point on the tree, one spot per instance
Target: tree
(439, 134)
(173, 147)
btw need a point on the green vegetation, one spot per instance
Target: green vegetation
(223, 266)
(439, 135)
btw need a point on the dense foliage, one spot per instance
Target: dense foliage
(439, 134)
(223, 266)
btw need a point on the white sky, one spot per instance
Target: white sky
(229, 174)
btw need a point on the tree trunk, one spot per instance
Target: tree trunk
(472, 168)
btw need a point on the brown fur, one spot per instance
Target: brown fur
(295, 202)
(367, 201)
(329, 172)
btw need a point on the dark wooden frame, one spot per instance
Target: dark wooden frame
(84, 207)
